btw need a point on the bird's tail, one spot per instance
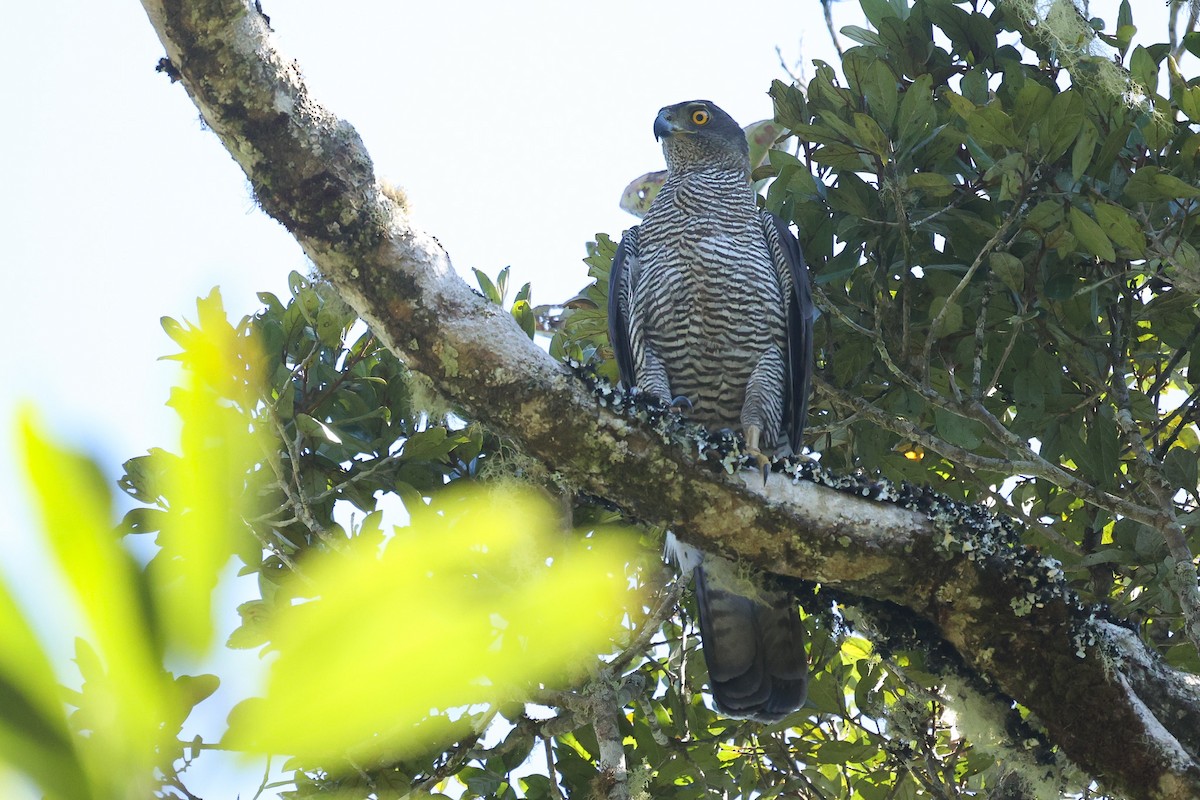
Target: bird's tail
(754, 649)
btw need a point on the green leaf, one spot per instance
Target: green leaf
(934, 184)
(878, 10)
(502, 285)
(1060, 285)
(1151, 183)
(312, 427)
(761, 137)
(841, 156)
(487, 573)
(951, 321)
(1124, 14)
(871, 136)
(861, 35)
(989, 125)
(1144, 69)
(34, 736)
(1191, 41)
(1180, 468)
(1009, 269)
(143, 520)
(254, 630)
(296, 282)
(1091, 235)
(1120, 227)
(1085, 148)
(1061, 125)
(1103, 449)
(523, 313)
(177, 332)
(641, 191)
(102, 583)
(486, 286)
(330, 327)
(791, 109)
(195, 689)
(1030, 107)
(917, 114)
(956, 430)
(428, 444)
(1045, 216)
(1189, 103)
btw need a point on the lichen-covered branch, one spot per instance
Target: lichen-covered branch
(1004, 610)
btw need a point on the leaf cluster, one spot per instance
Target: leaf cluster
(1004, 246)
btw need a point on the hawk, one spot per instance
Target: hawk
(710, 312)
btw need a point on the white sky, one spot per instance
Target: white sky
(512, 126)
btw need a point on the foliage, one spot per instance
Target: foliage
(1004, 250)
(403, 634)
(1008, 274)
(1001, 228)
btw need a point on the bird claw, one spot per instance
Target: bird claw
(680, 404)
(761, 461)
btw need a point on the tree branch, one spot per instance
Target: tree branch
(1003, 609)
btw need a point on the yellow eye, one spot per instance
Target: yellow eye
(700, 117)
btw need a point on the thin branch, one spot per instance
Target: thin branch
(668, 599)
(827, 9)
(956, 292)
(551, 769)
(980, 330)
(262, 787)
(1184, 579)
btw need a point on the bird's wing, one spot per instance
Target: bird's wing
(620, 300)
(793, 276)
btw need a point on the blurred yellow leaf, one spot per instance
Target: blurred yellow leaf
(465, 607)
(219, 447)
(33, 727)
(76, 513)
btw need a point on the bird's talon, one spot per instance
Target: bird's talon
(761, 461)
(681, 404)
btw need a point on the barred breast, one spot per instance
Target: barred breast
(707, 299)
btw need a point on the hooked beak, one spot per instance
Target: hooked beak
(664, 126)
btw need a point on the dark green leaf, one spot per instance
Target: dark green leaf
(1009, 269)
(1151, 183)
(1091, 235)
(1179, 465)
(1121, 228)
(791, 109)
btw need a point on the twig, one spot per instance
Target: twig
(1008, 348)
(551, 770)
(956, 292)
(1184, 579)
(980, 328)
(1037, 466)
(667, 601)
(827, 7)
(292, 488)
(262, 787)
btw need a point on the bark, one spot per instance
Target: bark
(1112, 707)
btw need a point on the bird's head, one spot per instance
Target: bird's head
(698, 134)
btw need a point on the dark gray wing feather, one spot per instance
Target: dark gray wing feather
(620, 295)
(793, 274)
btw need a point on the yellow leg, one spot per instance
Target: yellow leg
(753, 435)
